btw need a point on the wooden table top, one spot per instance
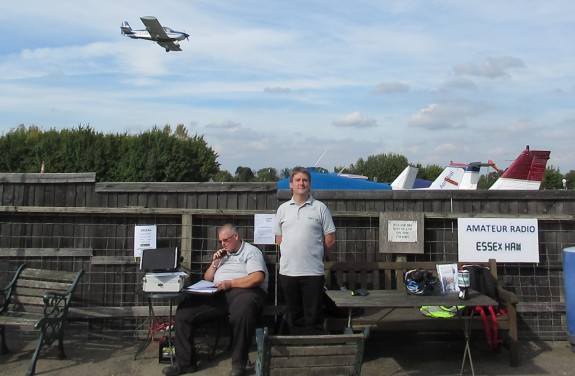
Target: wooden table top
(400, 299)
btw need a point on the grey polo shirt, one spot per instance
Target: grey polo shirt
(248, 259)
(302, 229)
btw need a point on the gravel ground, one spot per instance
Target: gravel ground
(385, 355)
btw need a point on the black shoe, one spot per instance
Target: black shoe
(176, 370)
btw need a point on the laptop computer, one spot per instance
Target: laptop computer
(159, 259)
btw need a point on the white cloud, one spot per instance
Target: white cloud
(490, 68)
(354, 120)
(391, 88)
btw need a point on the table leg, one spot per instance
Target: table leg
(170, 327)
(151, 320)
(348, 329)
(467, 351)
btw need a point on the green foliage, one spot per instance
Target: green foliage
(268, 174)
(156, 155)
(222, 176)
(244, 174)
(570, 177)
(381, 167)
(552, 179)
(429, 172)
(486, 181)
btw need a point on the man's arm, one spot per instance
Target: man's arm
(328, 243)
(278, 239)
(216, 260)
(251, 280)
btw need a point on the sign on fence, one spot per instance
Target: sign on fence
(504, 239)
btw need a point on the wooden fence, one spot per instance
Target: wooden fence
(68, 222)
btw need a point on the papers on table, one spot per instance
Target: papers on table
(202, 287)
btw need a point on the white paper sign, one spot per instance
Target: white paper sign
(503, 239)
(402, 231)
(144, 238)
(263, 229)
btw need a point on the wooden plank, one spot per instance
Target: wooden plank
(47, 276)
(48, 178)
(110, 312)
(46, 252)
(185, 187)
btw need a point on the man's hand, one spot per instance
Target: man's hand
(217, 257)
(224, 285)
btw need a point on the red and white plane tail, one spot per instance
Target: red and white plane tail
(525, 173)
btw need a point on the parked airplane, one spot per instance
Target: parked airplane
(526, 172)
(164, 36)
(406, 179)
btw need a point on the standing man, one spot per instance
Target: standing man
(239, 271)
(305, 232)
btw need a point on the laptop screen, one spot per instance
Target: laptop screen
(160, 259)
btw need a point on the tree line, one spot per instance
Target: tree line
(166, 155)
(157, 155)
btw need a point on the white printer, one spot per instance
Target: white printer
(160, 266)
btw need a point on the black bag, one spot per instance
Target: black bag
(481, 279)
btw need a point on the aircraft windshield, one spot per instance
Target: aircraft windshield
(168, 30)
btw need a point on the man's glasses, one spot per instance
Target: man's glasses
(228, 239)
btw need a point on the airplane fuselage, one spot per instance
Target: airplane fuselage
(144, 34)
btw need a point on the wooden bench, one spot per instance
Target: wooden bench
(388, 276)
(337, 354)
(38, 298)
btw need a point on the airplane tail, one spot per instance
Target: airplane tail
(471, 176)
(406, 179)
(450, 178)
(126, 29)
(526, 172)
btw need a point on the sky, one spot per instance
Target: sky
(312, 83)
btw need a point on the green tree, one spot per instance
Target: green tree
(244, 174)
(552, 179)
(156, 155)
(381, 167)
(267, 174)
(487, 180)
(222, 176)
(429, 172)
(570, 177)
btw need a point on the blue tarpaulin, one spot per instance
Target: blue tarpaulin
(321, 181)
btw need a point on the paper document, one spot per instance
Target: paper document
(203, 287)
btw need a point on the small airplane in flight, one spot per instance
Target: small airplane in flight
(164, 36)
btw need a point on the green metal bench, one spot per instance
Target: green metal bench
(38, 298)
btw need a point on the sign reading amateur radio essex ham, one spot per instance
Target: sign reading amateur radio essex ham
(503, 239)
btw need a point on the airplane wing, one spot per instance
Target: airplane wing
(169, 46)
(154, 28)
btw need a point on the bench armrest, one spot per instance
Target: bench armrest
(508, 297)
(3, 299)
(55, 304)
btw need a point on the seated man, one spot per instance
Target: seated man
(238, 269)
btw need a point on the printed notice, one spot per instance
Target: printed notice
(144, 238)
(502, 239)
(263, 229)
(402, 231)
